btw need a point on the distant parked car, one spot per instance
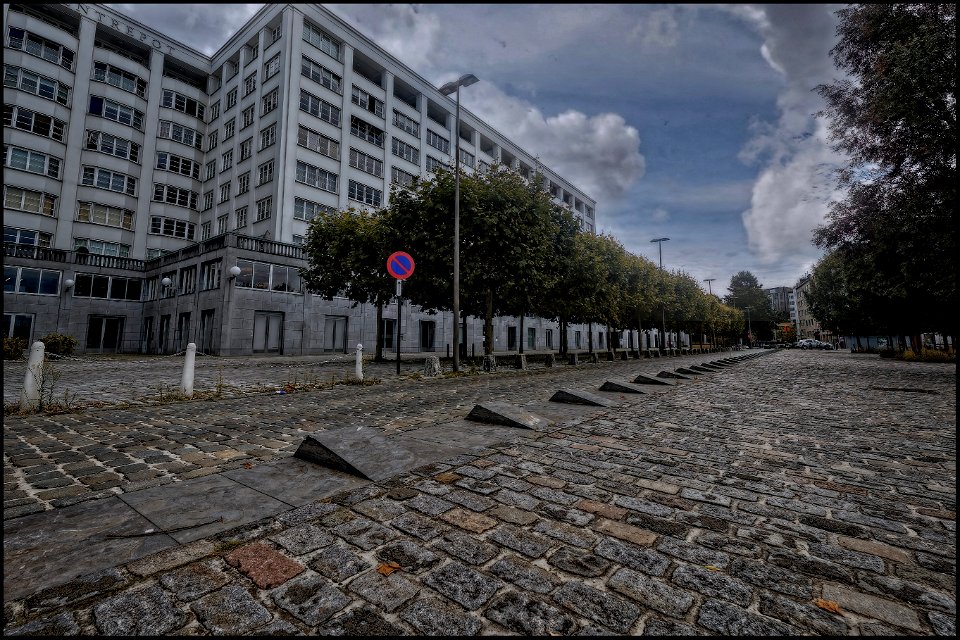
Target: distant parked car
(808, 343)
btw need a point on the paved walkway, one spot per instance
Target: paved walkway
(793, 493)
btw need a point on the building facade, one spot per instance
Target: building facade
(155, 196)
(807, 325)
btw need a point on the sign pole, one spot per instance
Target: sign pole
(399, 307)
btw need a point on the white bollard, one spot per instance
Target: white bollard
(33, 379)
(359, 362)
(186, 383)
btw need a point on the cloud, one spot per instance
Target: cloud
(656, 30)
(412, 35)
(795, 184)
(599, 154)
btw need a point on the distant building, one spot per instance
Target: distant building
(140, 174)
(807, 325)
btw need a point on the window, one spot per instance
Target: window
(179, 133)
(243, 183)
(318, 107)
(214, 111)
(268, 136)
(109, 180)
(229, 129)
(246, 117)
(176, 164)
(211, 170)
(402, 178)
(172, 227)
(208, 200)
(102, 214)
(246, 149)
(320, 74)
(403, 150)
(206, 230)
(214, 140)
(32, 161)
(30, 201)
(483, 167)
(433, 163)
(103, 72)
(28, 81)
(321, 40)
(175, 195)
(275, 34)
(240, 218)
(271, 277)
(409, 125)
(364, 100)
(179, 102)
(210, 273)
(250, 84)
(438, 142)
(271, 68)
(12, 235)
(366, 131)
(33, 122)
(269, 102)
(43, 282)
(298, 240)
(368, 164)
(227, 160)
(316, 177)
(224, 192)
(91, 285)
(307, 210)
(318, 142)
(40, 47)
(186, 280)
(466, 158)
(101, 248)
(265, 173)
(363, 193)
(111, 110)
(231, 98)
(221, 224)
(112, 145)
(254, 52)
(263, 208)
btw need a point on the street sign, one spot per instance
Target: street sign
(400, 265)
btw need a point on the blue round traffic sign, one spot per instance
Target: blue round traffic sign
(400, 265)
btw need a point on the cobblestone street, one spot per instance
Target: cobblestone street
(798, 492)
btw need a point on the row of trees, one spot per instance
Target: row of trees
(890, 266)
(521, 255)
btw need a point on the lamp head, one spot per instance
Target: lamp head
(166, 282)
(659, 239)
(234, 271)
(68, 284)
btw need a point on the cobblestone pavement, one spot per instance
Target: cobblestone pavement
(795, 493)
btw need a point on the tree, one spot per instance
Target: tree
(895, 116)
(347, 254)
(746, 291)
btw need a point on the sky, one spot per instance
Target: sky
(693, 122)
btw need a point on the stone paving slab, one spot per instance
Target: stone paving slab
(294, 481)
(787, 495)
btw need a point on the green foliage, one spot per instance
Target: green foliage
(59, 344)
(13, 348)
(894, 115)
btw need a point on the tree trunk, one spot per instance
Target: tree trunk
(378, 352)
(488, 325)
(520, 337)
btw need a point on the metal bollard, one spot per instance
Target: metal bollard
(359, 362)
(33, 379)
(186, 382)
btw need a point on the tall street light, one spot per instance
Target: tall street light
(712, 330)
(465, 80)
(663, 310)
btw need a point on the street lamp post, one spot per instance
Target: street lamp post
(465, 80)
(749, 329)
(713, 331)
(663, 310)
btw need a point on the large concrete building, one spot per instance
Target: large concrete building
(155, 196)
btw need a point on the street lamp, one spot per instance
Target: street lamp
(713, 331)
(663, 310)
(465, 80)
